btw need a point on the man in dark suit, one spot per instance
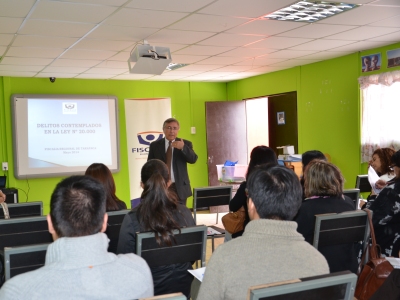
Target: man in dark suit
(182, 153)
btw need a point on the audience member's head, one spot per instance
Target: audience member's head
(274, 193)
(322, 178)
(77, 208)
(261, 155)
(309, 156)
(103, 174)
(381, 160)
(157, 204)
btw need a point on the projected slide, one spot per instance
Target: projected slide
(68, 132)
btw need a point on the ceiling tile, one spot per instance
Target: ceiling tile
(203, 68)
(388, 38)
(322, 44)
(17, 74)
(71, 12)
(65, 69)
(362, 15)
(315, 31)
(94, 76)
(389, 22)
(34, 52)
(198, 22)
(274, 42)
(260, 61)
(15, 8)
(104, 45)
(187, 59)
(231, 40)
(4, 67)
(6, 39)
(10, 25)
(132, 76)
(121, 33)
(144, 18)
(179, 37)
(358, 46)
(21, 61)
(289, 54)
(87, 54)
(113, 64)
(56, 75)
(43, 41)
(85, 63)
(203, 50)
(171, 5)
(227, 60)
(363, 33)
(248, 52)
(265, 27)
(248, 8)
(97, 70)
(55, 28)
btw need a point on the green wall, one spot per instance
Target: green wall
(187, 100)
(328, 106)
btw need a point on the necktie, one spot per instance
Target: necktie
(169, 158)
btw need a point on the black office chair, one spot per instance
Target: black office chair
(348, 228)
(211, 196)
(114, 223)
(190, 246)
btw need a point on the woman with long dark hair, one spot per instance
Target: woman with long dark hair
(103, 174)
(259, 155)
(160, 212)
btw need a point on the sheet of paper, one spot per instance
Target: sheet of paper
(211, 231)
(198, 273)
(373, 178)
(395, 262)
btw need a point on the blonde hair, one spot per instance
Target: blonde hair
(322, 178)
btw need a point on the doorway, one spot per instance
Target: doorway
(232, 129)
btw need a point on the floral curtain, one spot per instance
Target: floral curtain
(380, 112)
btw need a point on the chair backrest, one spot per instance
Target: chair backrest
(174, 296)
(190, 246)
(114, 222)
(24, 231)
(343, 228)
(353, 194)
(20, 210)
(362, 183)
(340, 285)
(211, 196)
(18, 260)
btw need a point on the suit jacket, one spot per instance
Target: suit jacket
(180, 158)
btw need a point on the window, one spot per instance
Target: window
(380, 113)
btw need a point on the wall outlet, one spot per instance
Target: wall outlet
(193, 130)
(5, 166)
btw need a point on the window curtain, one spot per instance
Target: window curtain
(380, 112)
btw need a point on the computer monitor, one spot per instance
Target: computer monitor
(3, 181)
(362, 183)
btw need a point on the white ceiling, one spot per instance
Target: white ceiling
(221, 40)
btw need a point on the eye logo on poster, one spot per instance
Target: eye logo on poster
(70, 108)
(145, 138)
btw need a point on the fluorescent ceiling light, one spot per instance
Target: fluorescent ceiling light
(173, 66)
(310, 11)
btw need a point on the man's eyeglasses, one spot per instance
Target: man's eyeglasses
(171, 128)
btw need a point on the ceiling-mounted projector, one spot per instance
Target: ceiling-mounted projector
(146, 59)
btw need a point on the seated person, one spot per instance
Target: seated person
(385, 216)
(78, 265)
(159, 212)
(270, 249)
(380, 162)
(306, 158)
(259, 155)
(103, 174)
(323, 183)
